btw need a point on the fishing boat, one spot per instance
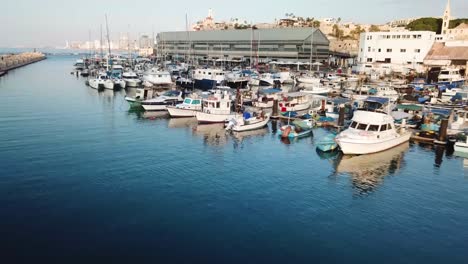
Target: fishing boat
(293, 102)
(206, 79)
(247, 122)
(216, 108)
(188, 108)
(308, 79)
(327, 143)
(298, 129)
(451, 77)
(266, 97)
(237, 79)
(161, 102)
(371, 131)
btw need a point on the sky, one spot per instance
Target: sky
(41, 23)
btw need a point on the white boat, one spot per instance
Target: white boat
(157, 77)
(450, 77)
(293, 102)
(461, 147)
(216, 109)
(119, 83)
(246, 123)
(141, 95)
(371, 132)
(237, 79)
(461, 121)
(266, 98)
(188, 108)
(307, 79)
(101, 81)
(131, 79)
(316, 89)
(160, 103)
(388, 92)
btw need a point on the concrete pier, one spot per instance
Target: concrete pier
(12, 61)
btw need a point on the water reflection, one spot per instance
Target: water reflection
(182, 122)
(240, 137)
(368, 171)
(213, 134)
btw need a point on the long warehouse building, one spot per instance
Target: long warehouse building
(257, 45)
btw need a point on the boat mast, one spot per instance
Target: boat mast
(187, 50)
(108, 42)
(311, 49)
(102, 52)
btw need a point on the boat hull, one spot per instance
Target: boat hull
(237, 84)
(133, 83)
(350, 147)
(180, 112)
(249, 127)
(213, 118)
(205, 84)
(461, 147)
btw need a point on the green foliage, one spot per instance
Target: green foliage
(316, 24)
(355, 33)
(426, 24)
(456, 22)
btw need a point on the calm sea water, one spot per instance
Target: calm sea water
(82, 176)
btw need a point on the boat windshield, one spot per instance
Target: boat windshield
(171, 93)
(196, 102)
(187, 101)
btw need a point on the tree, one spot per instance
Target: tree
(355, 33)
(316, 24)
(374, 28)
(426, 24)
(338, 20)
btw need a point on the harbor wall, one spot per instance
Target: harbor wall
(13, 61)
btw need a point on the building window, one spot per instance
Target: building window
(368, 49)
(389, 50)
(369, 59)
(380, 50)
(417, 50)
(402, 50)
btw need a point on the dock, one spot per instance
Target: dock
(13, 61)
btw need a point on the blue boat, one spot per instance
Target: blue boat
(298, 129)
(327, 143)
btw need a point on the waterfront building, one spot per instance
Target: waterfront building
(399, 50)
(254, 45)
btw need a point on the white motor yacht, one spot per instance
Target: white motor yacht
(131, 79)
(371, 132)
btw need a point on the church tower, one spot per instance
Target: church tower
(446, 19)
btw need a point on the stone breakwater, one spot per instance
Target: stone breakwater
(13, 61)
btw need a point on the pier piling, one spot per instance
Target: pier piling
(275, 107)
(442, 140)
(341, 116)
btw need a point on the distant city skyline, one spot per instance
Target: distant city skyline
(51, 22)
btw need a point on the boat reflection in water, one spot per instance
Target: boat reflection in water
(151, 115)
(240, 137)
(368, 171)
(213, 134)
(182, 122)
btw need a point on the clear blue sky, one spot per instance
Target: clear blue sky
(35, 23)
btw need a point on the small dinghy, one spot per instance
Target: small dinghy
(298, 129)
(327, 143)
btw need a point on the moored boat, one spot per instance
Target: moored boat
(371, 132)
(216, 109)
(188, 108)
(247, 122)
(161, 102)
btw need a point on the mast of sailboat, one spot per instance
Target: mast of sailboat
(108, 43)
(100, 44)
(128, 46)
(311, 50)
(187, 50)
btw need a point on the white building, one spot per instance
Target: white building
(399, 50)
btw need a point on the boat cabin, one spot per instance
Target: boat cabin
(218, 103)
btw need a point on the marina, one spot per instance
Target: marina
(253, 139)
(356, 196)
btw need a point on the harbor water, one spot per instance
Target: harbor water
(82, 176)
